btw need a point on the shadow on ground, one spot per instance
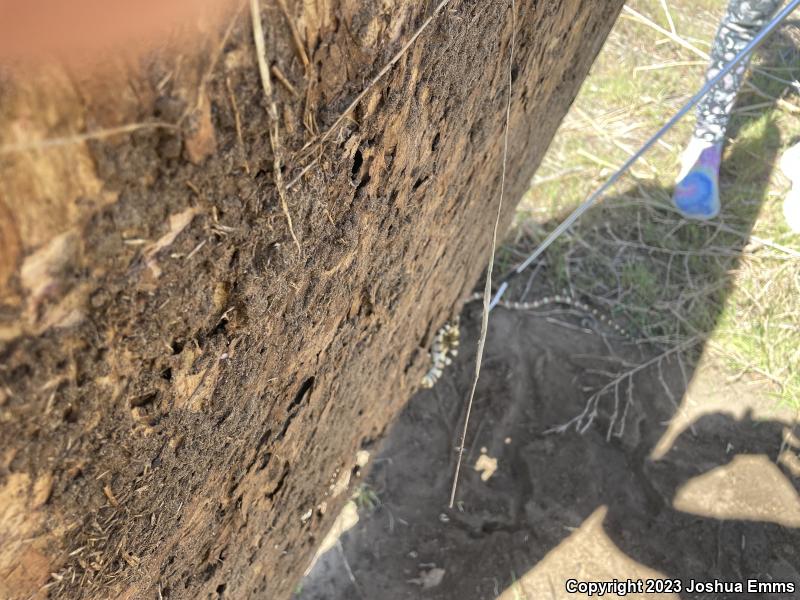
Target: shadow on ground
(570, 505)
(679, 473)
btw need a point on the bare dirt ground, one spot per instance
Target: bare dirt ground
(699, 483)
(689, 470)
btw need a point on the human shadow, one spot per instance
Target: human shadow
(530, 484)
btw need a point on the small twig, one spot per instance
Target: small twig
(666, 387)
(793, 83)
(756, 108)
(595, 159)
(586, 418)
(195, 250)
(616, 412)
(487, 290)
(272, 112)
(347, 568)
(628, 404)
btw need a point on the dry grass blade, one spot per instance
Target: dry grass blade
(637, 16)
(302, 172)
(284, 81)
(754, 239)
(298, 43)
(669, 65)
(487, 290)
(668, 14)
(272, 111)
(238, 122)
(77, 138)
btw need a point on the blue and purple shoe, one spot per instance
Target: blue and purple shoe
(697, 193)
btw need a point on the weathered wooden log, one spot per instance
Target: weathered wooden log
(183, 389)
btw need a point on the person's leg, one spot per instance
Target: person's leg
(790, 165)
(697, 193)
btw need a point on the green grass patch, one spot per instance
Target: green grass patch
(634, 256)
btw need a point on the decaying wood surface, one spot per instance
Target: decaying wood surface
(183, 390)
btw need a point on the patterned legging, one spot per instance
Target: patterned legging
(742, 21)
